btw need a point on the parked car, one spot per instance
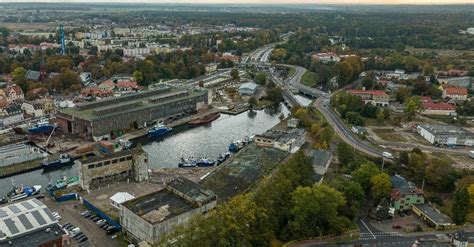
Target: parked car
(396, 226)
(83, 239)
(112, 231)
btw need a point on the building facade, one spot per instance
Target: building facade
(375, 97)
(100, 171)
(446, 135)
(404, 194)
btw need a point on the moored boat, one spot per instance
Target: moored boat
(205, 162)
(187, 163)
(18, 193)
(158, 131)
(204, 119)
(64, 160)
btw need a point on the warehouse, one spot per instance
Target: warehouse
(30, 223)
(446, 135)
(146, 218)
(96, 120)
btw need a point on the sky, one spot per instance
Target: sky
(391, 2)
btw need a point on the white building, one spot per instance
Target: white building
(119, 198)
(290, 141)
(446, 135)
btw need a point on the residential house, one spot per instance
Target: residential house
(31, 108)
(229, 56)
(212, 67)
(127, 86)
(326, 57)
(455, 93)
(375, 97)
(13, 93)
(431, 108)
(107, 85)
(11, 114)
(93, 92)
(404, 193)
(465, 81)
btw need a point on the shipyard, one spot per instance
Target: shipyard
(154, 124)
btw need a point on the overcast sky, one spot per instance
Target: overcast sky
(264, 1)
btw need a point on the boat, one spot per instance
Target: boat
(63, 183)
(187, 163)
(64, 160)
(43, 126)
(18, 193)
(223, 157)
(204, 119)
(205, 162)
(235, 146)
(158, 131)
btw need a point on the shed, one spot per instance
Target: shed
(119, 198)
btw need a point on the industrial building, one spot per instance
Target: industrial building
(146, 218)
(289, 141)
(432, 216)
(30, 223)
(96, 120)
(446, 135)
(99, 171)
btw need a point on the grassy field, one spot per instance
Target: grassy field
(309, 79)
(389, 135)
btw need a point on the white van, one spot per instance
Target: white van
(387, 155)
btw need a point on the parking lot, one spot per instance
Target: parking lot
(70, 212)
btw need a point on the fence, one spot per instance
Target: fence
(99, 212)
(66, 197)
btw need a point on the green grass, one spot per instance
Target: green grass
(309, 79)
(291, 72)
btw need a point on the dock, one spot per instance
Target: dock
(19, 168)
(143, 132)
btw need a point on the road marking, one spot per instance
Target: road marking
(361, 220)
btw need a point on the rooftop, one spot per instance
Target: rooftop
(23, 217)
(432, 213)
(248, 85)
(180, 195)
(446, 130)
(438, 106)
(372, 92)
(129, 103)
(283, 136)
(456, 91)
(34, 238)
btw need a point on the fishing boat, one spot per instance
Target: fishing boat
(64, 160)
(43, 126)
(223, 157)
(204, 119)
(158, 131)
(187, 163)
(18, 193)
(63, 183)
(205, 162)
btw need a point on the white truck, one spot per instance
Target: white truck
(471, 154)
(387, 155)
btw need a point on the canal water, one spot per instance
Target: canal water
(204, 141)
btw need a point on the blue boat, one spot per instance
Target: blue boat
(42, 127)
(205, 162)
(158, 131)
(64, 160)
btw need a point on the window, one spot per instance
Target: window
(91, 166)
(129, 157)
(145, 160)
(98, 164)
(114, 161)
(107, 162)
(122, 159)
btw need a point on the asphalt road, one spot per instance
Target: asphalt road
(322, 104)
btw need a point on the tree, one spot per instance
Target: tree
(354, 194)
(345, 153)
(275, 95)
(413, 106)
(315, 211)
(364, 174)
(234, 73)
(461, 205)
(252, 102)
(19, 74)
(381, 186)
(380, 117)
(261, 78)
(438, 175)
(138, 75)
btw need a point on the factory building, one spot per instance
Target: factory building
(146, 218)
(446, 135)
(96, 120)
(99, 171)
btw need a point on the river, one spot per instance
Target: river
(204, 141)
